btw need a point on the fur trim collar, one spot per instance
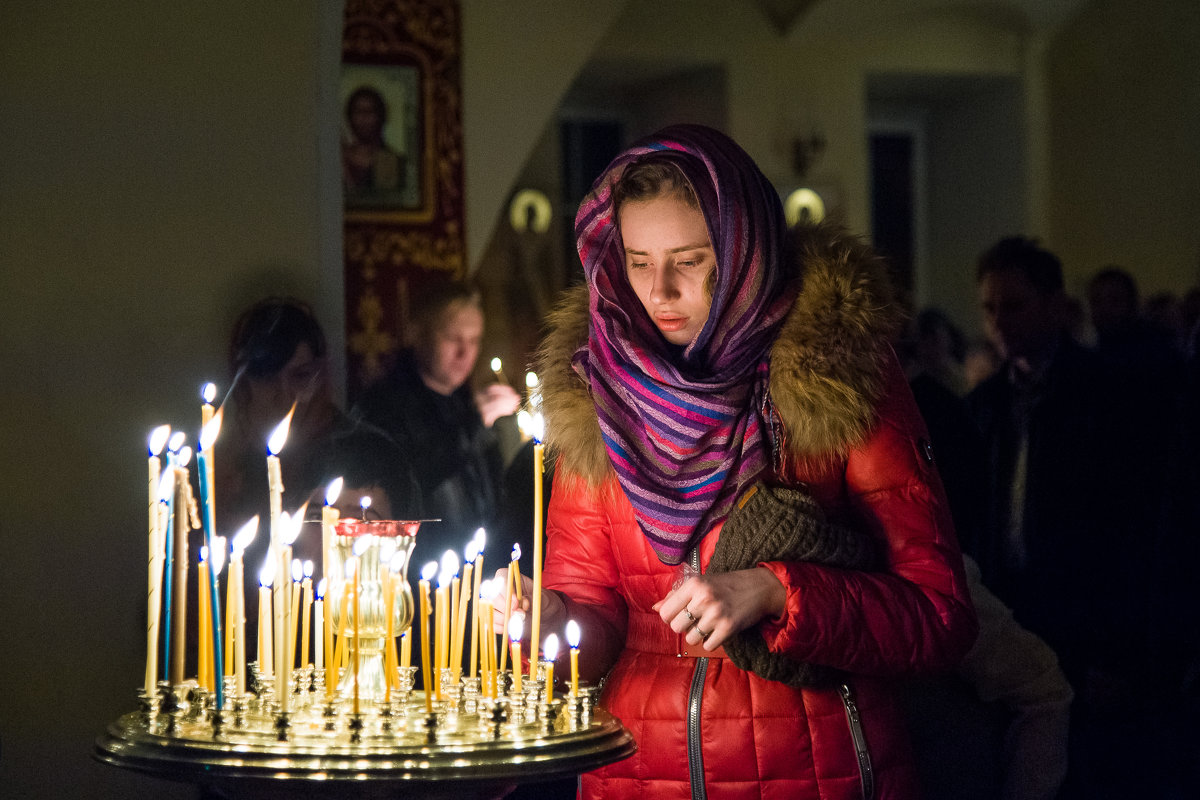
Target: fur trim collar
(827, 364)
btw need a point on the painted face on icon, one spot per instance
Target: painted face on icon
(668, 260)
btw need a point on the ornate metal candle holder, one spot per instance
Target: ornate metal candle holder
(393, 745)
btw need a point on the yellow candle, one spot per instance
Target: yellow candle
(550, 652)
(573, 641)
(426, 574)
(179, 579)
(443, 634)
(460, 619)
(306, 609)
(475, 608)
(275, 444)
(319, 627)
(538, 469)
(335, 665)
(515, 629)
(230, 615)
(508, 590)
(389, 659)
(241, 540)
(451, 639)
(357, 639)
(406, 648)
(202, 617)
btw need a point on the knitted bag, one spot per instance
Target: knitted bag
(777, 523)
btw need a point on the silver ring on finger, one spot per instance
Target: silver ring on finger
(703, 634)
(688, 614)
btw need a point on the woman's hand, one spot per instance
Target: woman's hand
(711, 608)
(554, 610)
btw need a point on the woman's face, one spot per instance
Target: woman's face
(668, 257)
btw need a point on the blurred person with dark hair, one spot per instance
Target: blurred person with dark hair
(278, 357)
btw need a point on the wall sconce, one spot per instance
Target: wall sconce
(529, 211)
(803, 205)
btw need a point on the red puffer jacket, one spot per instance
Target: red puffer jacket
(853, 436)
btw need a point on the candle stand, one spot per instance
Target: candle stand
(395, 750)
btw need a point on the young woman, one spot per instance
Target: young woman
(746, 520)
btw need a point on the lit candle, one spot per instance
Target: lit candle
(498, 371)
(202, 619)
(488, 593)
(208, 588)
(516, 627)
(237, 571)
(479, 541)
(208, 394)
(549, 653)
(485, 611)
(514, 579)
(442, 621)
(266, 641)
(319, 628)
(573, 641)
(427, 573)
(275, 443)
(536, 599)
(329, 518)
(307, 587)
(157, 556)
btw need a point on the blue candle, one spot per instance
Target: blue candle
(207, 437)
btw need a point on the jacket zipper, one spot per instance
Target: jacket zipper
(695, 694)
(865, 772)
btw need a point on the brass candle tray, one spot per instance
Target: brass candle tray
(395, 750)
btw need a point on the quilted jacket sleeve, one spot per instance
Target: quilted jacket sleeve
(581, 566)
(915, 615)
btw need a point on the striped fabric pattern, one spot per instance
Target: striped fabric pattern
(684, 427)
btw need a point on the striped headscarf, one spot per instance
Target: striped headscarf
(686, 429)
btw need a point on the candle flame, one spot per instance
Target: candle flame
(209, 392)
(245, 535)
(334, 490)
(291, 526)
(481, 538)
(211, 431)
(278, 437)
(266, 575)
(538, 427)
(487, 589)
(321, 584)
(176, 441)
(495, 365)
(361, 545)
(166, 486)
(396, 563)
(308, 568)
(218, 556)
(450, 562)
(516, 627)
(158, 439)
(550, 647)
(573, 633)
(297, 570)
(203, 553)
(516, 552)
(364, 503)
(523, 422)
(185, 455)
(531, 380)
(428, 571)
(471, 551)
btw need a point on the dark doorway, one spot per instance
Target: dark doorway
(893, 205)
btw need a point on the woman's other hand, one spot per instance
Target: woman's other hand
(708, 609)
(554, 610)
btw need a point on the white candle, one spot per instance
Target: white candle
(275, 444)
